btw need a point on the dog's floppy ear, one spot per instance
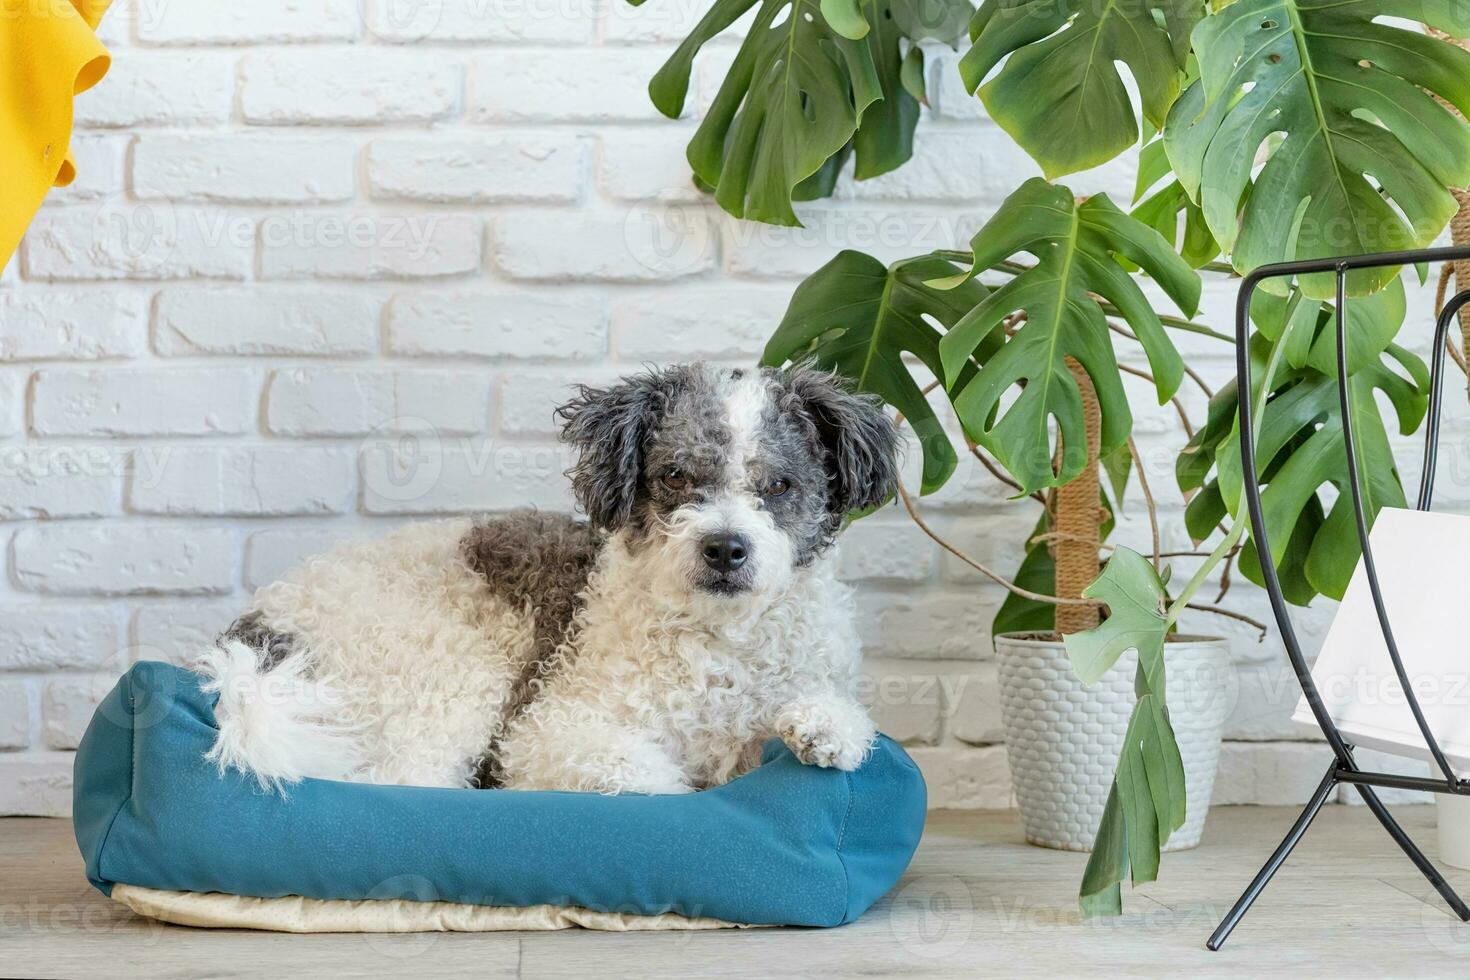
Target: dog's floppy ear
(608, 427)
(860, 441)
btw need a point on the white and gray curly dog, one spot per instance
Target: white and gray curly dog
(650, 649)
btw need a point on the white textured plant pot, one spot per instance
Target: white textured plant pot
(1063, 738)
(1454, 830)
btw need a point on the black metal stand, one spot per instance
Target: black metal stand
(1344, 770)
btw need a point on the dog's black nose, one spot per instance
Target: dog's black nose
(725, 552)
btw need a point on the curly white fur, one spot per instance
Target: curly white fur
(279, 726)
(411, 660)
(663, 695)
(407, 665)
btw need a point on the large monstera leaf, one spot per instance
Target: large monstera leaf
(811, 84)
(859, 317)
(1059, 93)
(1357, 151)
(1300, 455)
(1078, 249)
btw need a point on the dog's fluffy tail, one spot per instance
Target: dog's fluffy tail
(275, 725)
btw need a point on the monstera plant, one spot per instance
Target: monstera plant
(1267, 130)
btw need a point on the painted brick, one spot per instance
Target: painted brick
(36, 784)
(533, 21)
(347, 86)
(625, 23)
(536, 86)
(220, 22)
(122, 239)
(646, 164)
(998, 540)
(362, 245)
(336, 401)
(906, 705)
(271, 554)
(872, 551)
(925, 625)
(1269, 773)
(58, 481)
(67, 707)
(463, 477)
(946, 166)
(520, 326)
(972, 706)
(161, 89)
(143, 401)
(15, 716)
(529, 399)
(256, 482)
(888, 232)
(697, 322)
(641, 245)
(49, 636)
(318, 322)
(177, 632)
(71, 325)
(124, 559)
(12, 395)
(100, 167)
(485, 169)
(242, 167)
(962, 778)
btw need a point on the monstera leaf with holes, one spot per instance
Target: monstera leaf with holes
(859, 318)
(1300, 449)
(1078, 249)
(810, 85)
(1059, 93)
(1357, 151)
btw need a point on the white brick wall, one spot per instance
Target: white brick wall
(323, 270)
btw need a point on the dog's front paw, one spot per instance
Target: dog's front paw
(839, 738)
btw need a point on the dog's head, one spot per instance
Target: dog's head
(729, 478)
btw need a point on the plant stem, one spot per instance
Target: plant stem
(1237, 528)
(1177, 322)
(1148, 500)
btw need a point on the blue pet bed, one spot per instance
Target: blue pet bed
(784, 844)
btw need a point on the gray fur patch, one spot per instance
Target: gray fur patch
(270, 646)
(540, 563)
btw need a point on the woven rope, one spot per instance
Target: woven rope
(1078, 530)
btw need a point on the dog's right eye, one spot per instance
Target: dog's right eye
(675, 478)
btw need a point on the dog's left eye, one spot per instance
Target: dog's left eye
(776, 487)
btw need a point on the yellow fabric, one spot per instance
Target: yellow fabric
(215, 910)
(49, 53)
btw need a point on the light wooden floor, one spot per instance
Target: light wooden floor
(977, 902)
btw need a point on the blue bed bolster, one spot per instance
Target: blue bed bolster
(785, 844)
